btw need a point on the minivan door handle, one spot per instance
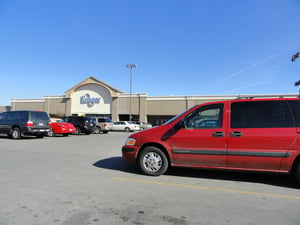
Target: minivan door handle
(236, 134)
(218, 134)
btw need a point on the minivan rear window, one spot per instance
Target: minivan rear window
(261, 114)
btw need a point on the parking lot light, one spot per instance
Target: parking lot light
(130, 95)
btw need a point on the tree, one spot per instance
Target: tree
(294, 57)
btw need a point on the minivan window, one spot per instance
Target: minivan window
(209, 116)
(260, 114)
(295, 106)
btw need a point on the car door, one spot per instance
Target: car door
(3, 123)
(119, 125)
(202, 139)
(260, 135)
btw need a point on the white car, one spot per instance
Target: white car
(143, 125)
(125, 126)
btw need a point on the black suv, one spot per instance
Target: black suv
(83, 124)
(17, 124)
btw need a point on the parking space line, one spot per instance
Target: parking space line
(208, 188)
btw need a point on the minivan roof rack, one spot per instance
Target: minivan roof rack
(268, 96)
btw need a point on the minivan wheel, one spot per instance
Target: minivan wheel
(153, 161)
(296, 172)
(16, 133)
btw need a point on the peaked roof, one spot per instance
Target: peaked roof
(92, 80)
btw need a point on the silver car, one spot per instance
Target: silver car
(103, 125)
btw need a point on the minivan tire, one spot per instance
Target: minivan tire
(16, 133)
(296, 172)
(153, 161)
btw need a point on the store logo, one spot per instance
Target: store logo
(86, 99)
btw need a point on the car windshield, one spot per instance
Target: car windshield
(90, 119)
(60, 121)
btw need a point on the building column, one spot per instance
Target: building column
(143, 108)
(115, 109)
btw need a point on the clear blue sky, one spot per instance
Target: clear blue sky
(182, 47)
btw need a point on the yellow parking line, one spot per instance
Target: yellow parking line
(208, 188)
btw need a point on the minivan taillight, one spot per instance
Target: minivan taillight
(29, 124)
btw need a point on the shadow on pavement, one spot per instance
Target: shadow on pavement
(281, 180)
(116, 163)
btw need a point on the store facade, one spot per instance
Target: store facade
(96, 98)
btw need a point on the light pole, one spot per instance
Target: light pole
(130, 66)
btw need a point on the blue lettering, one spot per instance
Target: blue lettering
(86, 99)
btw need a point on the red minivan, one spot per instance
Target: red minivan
(243, 134)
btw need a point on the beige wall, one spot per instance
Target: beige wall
(5, 108)
(32, 104)
(56, 105)
(115, 103)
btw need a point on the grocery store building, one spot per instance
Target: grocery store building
(96, 98)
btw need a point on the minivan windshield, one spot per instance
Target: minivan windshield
(179, 115)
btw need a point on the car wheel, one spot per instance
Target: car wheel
(40, 136)
(97, 130)
(296, 172)
(127, 129)
(153, 161)
(78, 131)
(16, 133)
(51, 133)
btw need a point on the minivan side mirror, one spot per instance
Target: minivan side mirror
(179, 125)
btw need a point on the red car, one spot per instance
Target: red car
(246, 134)
(59, 126)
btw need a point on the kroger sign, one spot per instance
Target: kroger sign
(86, 99)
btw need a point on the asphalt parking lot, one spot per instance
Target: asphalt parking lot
(82, 180)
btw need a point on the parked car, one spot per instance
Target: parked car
(246, 134)
(83, 124)
(103, 124)
(59, 126)
(143, 125)
(17, 124)
(125, 126)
